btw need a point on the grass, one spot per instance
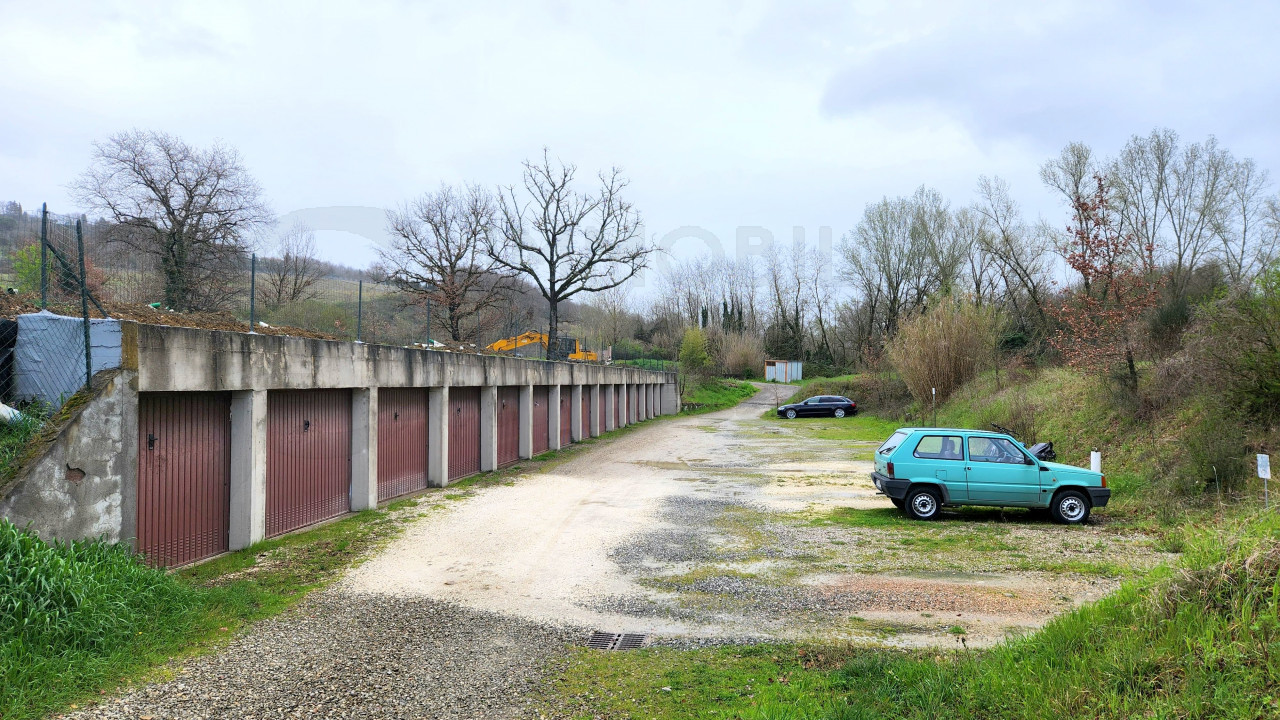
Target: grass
(1198, 640)
(716, 394)
(80, 619)
(16, 434)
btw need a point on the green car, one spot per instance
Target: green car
(923, 469)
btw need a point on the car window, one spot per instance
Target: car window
(830, 399)
(996, 450)
(940, 447)
(892, 443)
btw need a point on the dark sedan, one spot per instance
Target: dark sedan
(824, 405)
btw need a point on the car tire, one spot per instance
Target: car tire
(898, 503)
(923, 503)
(791, 414)
(839, 412)
(1070, 507)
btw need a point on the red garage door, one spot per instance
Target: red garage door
(184, 476)
(586, 413)
(508, 425)
(464, 431)
(566, 416)
(308, 457)
(541, 424)
(631, 404)
(617, 406)
(402, 441)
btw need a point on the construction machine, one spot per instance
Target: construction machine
(569, 347)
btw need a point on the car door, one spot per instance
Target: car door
(810, 407)
(826, 405)
(940, 459)
(998, 472)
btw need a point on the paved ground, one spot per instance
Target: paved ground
(704, 529)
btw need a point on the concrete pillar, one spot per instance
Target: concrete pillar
(364, 448)
(553, 416)
(610, 403)
(248, 468)
(575, 411)
(438, 436)
(488, 428)
(596, 426)
(526, 421)
(670, 398)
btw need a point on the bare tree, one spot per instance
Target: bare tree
(438, 255)
(1248, 240)
(1019, 252)
(566, 241)
(291, 275)
(195, 210)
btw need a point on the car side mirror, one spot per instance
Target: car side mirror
(1044, 469)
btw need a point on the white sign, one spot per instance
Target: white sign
(1264, 467)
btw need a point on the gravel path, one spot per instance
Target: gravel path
(335, 656)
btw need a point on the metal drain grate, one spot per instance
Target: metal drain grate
(616, 641)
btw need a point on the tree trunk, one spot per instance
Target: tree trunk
(1133, 370)
(553, 335)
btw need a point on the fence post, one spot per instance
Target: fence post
(44, 255)
(84, 307)
(359, 307)
(253, 292)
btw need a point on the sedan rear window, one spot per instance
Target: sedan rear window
(940, 447)
(892, 443)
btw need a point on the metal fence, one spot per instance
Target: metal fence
(47, 357)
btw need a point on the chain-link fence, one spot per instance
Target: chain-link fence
(45, 357)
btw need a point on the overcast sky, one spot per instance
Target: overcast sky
(727, 116)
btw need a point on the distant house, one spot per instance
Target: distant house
(783, 370)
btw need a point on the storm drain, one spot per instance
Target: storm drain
(616, 641)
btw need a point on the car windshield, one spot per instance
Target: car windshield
(892, 443)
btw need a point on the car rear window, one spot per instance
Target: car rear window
(940, 447)
(892, 443)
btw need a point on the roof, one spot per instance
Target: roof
(947, 429)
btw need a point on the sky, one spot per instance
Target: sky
(737, 122)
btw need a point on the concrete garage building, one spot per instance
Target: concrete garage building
(201, 441)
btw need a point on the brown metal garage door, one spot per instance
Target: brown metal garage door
(566, 417)
(541, 420)
(508, 425)
(464, 431)
(308, 457)
(617, 406)
(402, 441)
(184, 476)
(631, 404)
(585, 430)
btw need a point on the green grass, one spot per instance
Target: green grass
(88, 617)
(1198, 640)
(17, 434)
(716, 394)
(860, 427)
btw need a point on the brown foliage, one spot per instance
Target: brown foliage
(944, 347)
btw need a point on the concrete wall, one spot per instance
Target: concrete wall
(100, 440)
(84, 484)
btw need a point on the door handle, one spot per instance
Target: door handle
(968, 468)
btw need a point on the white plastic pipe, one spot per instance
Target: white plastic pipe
(1095, 461)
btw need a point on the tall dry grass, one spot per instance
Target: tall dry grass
(944, 347)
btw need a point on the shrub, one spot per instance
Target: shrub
(694, 360)
(944, 347)
(743, 356)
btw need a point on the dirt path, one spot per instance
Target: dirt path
(733, 526)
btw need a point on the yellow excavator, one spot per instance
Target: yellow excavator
(569, 347)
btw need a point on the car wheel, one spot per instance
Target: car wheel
(898, 502)
(1070, 507)
(923, 503)
(839, 412)
(791, 414)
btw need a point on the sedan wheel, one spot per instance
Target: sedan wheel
(1070, 507)
(791, 414)
(923, 504)
(839, 412)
